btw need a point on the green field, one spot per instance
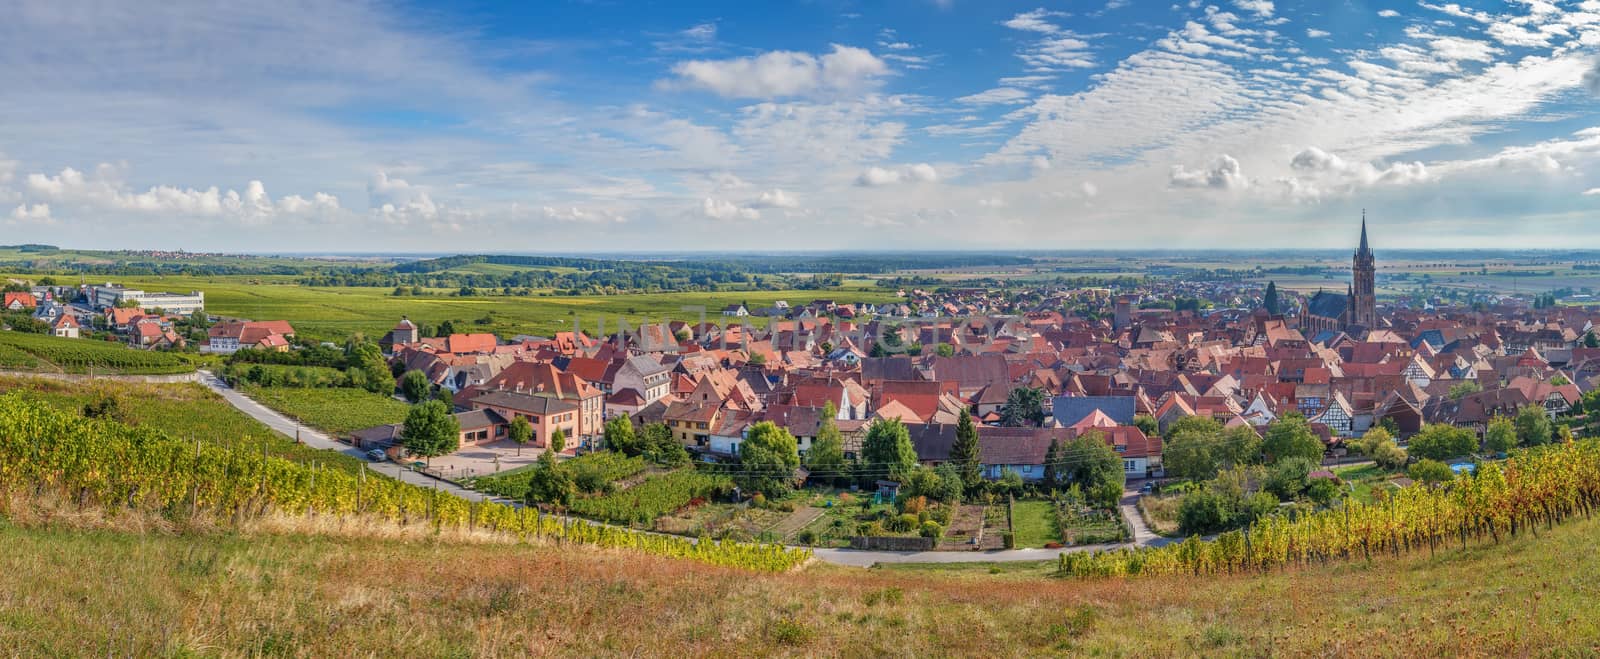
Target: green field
(333, 313)
(334, 410)
(83, 356)
(1034, 523)
(188, 411)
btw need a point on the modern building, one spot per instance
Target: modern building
(109, 295)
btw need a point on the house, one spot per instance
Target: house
(735, 311)
(65, 326)
(1069, 410)
(648, 378)
(119, 318)
(543, 380)
(481, 426)
(230, 337)
(545, 413)
(17, 301)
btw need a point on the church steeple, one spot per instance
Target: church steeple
(1363, 288)
(1364, 249)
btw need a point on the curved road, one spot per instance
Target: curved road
(1142, 536)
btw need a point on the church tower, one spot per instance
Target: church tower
(1363, 296)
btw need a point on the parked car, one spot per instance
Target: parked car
(377, 455)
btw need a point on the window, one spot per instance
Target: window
(1129, 465)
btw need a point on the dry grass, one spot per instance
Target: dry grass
(279, 591)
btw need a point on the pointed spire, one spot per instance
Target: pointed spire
(1364, 231)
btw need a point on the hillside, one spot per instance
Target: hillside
(68, 592)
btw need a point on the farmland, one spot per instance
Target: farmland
(656, 496)
(334, 410)
(333, 313)
(49, 353)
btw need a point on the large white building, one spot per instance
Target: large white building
(110, 295)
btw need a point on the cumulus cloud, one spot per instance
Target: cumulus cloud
(31, 213)
(1319, 173)
(396, 199)
(1314, 33)
(1591, 192)
(1223, 173)
(581, 215)
(1591, 82)
(878, 176)
(783, 73)
(1388, 13)
(104, 190)
(776, 198)
(1262, 8)
(1034, 21)
(724, 210)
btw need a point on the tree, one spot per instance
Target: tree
(550, 482)
(945, 350)
(965, 452)
(430, 430)
(619, 437)
(1052, 473)
(1533, 427)
(1289, 437)
(1199, 423)
(558, 441)
(1024, 407)
(415, 386)
(1287, 478)
(1501, 435)
(887, 449)
(1388, 423)
(1431, 471)
(369, 368)
(520, 432)
(1189, 455)
(1270, 300)
(658, 445)
(446, 328)
(1147, 424)
(1464, 388)
(767, 459)
(826, 457)
(1323, 491)
(1442, 441)
(1091, 464)
(1590, 340)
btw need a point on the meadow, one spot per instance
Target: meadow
(66, 591)
(333, 313)
(336, 410)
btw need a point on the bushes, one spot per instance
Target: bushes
(274, 375)
(1442, 442)
(653, 498)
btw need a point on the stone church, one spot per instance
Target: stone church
(1353, 312)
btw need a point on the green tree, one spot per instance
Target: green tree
(1323, 491)
(1533, 426)
(1431, 471)
(1590, 340)
(1290, 437)
(1189, 454)
(1196, 423)
(550, 482)
(619, 436)
(1270, 300)
(520, 432)
(767, 459)
(1024, 407)
(1500, 436)
(367, 361)
(965, 452)
(430, 430)
(415, 386)
(558, 441)
(658, 445)
(1441, 441)
(445, 328)
(1147, 424)
(1464, 388)
(945, 350)
(1091, 464)
(887, 449)
(1287, 478)
(826, 457)
(1052, 460)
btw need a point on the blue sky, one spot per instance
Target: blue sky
(607, 126)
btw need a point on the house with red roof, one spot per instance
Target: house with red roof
(19, 300)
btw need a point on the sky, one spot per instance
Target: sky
(554, 126)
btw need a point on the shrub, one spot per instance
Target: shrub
(932, 529)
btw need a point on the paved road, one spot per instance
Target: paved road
(850, 557)
(316, 439)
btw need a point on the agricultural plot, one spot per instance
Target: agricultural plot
(336, 410)
(82, 355)
(657, 496)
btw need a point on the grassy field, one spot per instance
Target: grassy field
(42, 352)
(334, 410)
(336, 312)
(180, 410)
(73, 592)
(1034, 523)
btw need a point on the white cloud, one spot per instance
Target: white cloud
(105, 190)
(575, 214)
(1034, 21)
(1063, 51)
(1388, 13)
(776, 198)
(1262, 8)
(398, 200)
(720, 209)
(39, 213)
(1314, 33)
(1591, 192)
(917, 173)
(782, 73)
(998, 95)
(1223, 173)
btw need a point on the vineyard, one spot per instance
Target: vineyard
(1530, 490)
(591, 472)
(83, 355)
(335, 410)
(46, 450)
(657, 496)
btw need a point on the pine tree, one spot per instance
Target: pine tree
(1052, 457)
(1270, 299)
(965, 453)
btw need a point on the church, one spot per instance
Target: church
(1353, 312)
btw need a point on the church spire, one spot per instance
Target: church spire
(1364, 231)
